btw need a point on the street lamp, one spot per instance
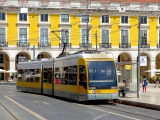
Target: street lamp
(87, 30)
(138, 70)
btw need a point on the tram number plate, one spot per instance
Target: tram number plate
(96, 91)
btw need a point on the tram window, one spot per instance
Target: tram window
(37, 75)
(82, 73)
(61, 76)
(19, 75)
(23, 77)
(49, 75)
(45, 75)
(73, 75)
(31, 75)
(27, 73)
(82, 76)
(65, 75)
(57, 76)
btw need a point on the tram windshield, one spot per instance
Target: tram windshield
(102, 74)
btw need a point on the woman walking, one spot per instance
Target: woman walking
(157, 82)
(144, 83)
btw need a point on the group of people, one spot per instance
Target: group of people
(122, 89)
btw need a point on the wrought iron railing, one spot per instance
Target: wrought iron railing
(84, 45)
(23, 44)
(42, 44)
(105, 45)
(68, 45)
(124, 45)
(3, 44)
(145, 45)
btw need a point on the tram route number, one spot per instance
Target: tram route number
(96, 91)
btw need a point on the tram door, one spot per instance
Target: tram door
(47, 78)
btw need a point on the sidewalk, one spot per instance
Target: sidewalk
(149, 99)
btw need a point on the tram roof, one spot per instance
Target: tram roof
(33, 64)
(82, 54)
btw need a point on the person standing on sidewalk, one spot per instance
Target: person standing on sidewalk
(144, 83)
(157, 82)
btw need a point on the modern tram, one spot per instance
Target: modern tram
(80, 76)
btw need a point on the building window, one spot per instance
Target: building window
(105, 19)
(22, 16)
(143, 37)
(159, 20)
(84, 19)
(44, 36)
(23, 35)
(124, 36)
(105, 36)
(2, 35)
(84, 38)
(44, 17)
(124, 19)
(65, 35)
(143, 20)
(2, 16)
(1, 58)
(64, 18)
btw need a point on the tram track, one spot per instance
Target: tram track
(8, 111)
(125, 111)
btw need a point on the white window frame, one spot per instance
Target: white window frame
(101, 19)
(128, 35)
(85, 22)
(19, 17)
(68, 18)
(5, 34)
(27, 33)
(48, 34)
(101, 35)
(68, 35)
(128, 19)
(81, 35)
(144, 23)
(5, 17)
(147, 35)
(43, 21)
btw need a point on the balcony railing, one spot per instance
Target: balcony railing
(23, 44)
(84, 45)
(123, 45)
(68, 45)
(3, 44)
(40, 44)
(145, 46)
(105, 45)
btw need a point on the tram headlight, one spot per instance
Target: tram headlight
(92, 88)
(114, 87)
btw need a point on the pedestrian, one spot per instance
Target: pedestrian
(144, 83)
(122, 89)
(157, 82)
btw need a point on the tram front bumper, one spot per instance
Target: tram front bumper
(111, 96)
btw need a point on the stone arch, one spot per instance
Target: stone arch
(157, 61)
(21, 56)
(124, 57)
(4, 64)
(43, 55)
(145, 68)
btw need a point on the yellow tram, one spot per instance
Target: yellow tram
(81, 76)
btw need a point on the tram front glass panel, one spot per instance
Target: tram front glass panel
(102, 74)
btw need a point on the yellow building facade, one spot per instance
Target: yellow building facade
(38, 29)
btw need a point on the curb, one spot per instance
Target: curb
(139, 104)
